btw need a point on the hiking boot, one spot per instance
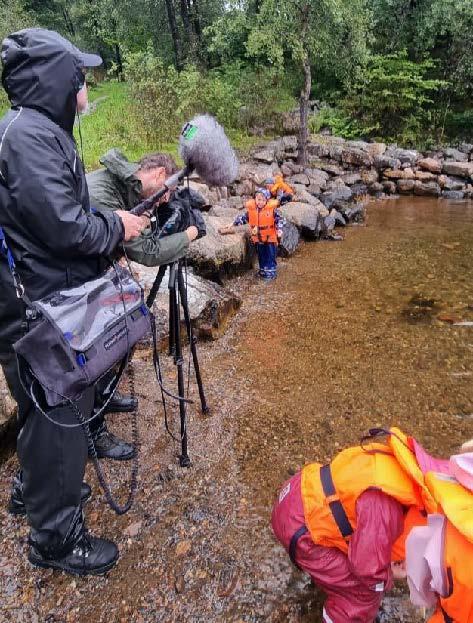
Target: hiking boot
(91, 555)
(16, 505)
(109, 446)
(121, 404)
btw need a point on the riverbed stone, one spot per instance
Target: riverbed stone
(318, 150)
(215, 255)
(304, 216)
(211, 306)
(303, 195)
(430, 164)
(225, 212)
(461, 169)
(427, 188)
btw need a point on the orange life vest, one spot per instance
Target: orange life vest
(262, 221)
(457, 605)
(330, 492)
(280, 185)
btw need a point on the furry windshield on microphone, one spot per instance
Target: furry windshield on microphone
(204, 146)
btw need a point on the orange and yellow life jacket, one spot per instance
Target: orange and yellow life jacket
(456, 606)
(262, 222)
(280, 186)
(330, 493)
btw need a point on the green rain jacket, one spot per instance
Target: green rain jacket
(116, 187)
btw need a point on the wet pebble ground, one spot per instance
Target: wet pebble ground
(352, 335)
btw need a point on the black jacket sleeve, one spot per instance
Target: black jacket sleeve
(44, 188)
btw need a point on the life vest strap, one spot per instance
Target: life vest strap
(293, 544)
(336, 507)
(446, 617)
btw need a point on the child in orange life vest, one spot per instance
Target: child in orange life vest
(279, 189)
(345, 525)
(266, 230)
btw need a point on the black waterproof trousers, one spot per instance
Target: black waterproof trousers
(52, 460)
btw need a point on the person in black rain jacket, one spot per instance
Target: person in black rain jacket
(57, 242)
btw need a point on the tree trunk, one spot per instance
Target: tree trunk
(119, 61)
(197, 28)
(186, 21)
(304, 111)
(176, 43)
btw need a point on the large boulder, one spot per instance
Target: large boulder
(304, 216)
(409, 156)
(399, 174)
(215, 255)
(430, 164)
(455, 154)
(289, 241)
(299, 178)
(351, 178)
(426, 176)
(332, 169)
(386, 162)
(405, 187)
(356, 157)
(427, 188)
(389, 188)
(370, 176)
(462, 169)
(336, 197)
(226, 212)
(302, 195)
(266, 155)
(210, 305)
(451, 183)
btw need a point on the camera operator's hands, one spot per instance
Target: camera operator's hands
(192, 232)
(132, 224)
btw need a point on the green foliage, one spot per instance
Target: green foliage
(240, 97)
(393, 98)
(338, 122)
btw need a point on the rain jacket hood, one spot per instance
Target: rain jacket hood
(43, 71)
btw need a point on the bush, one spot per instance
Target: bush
(240, 98)
(393, 99)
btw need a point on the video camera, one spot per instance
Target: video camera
(183, 210)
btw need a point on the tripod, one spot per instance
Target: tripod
(178, 292)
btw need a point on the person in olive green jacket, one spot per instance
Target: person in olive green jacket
(121, 185)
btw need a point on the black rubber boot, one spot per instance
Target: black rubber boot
(108, 446)
(16, 505)
(121, 404)
(90, 555)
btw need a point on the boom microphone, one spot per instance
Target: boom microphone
(205, 148)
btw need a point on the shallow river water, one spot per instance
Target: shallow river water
(356, 334)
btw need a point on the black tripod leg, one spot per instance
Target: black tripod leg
(156, 285)
(192, 340)
(184, 459)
